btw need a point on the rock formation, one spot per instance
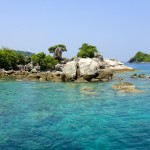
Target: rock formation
(86, 69)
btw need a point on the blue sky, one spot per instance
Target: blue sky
(118, 28)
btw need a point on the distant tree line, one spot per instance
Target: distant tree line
(9, 58)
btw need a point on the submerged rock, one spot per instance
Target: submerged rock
(86, 88)
(126, 87)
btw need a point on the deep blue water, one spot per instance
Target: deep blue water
(61, 116)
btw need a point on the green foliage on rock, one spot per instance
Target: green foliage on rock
(87, 50)
(21, 59)
(49, 63)
(45, 62)
(8, 59)
(140, 57)
(53, 48)
(38, 58)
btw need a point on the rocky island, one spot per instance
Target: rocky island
(87, 66)
(140, 57)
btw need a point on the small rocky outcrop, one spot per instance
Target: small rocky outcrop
(86, 88)
(139, 76)
(115, 65)
(142, 76)
(126, 87)
(134, 76)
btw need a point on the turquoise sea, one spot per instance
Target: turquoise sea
(61, 116)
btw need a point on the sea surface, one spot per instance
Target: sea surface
(62, 116)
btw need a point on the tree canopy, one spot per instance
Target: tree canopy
(45, 61)
(8, 59)
(53, 48)
(87, 50)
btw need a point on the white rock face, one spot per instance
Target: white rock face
(112, 62)
(115, 65)
(82, 67)
(88, 66)
(70, 70)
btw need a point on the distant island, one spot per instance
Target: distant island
(25, 53)
(140, 57)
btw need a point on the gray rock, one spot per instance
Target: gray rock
(134, 76)
(94, 80)
(34, 71)
(142, 75)
(9, 72)
(28, 67)
(105, 74)
(59, 67)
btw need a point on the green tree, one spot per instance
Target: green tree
(38, 58)
(21, 59)
(45, 62)
(8, 59)
(48, 63)
(53, 48)
(57, 50)
(87, 50)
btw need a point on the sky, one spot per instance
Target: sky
(118, 28)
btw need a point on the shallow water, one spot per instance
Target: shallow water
(61, 116)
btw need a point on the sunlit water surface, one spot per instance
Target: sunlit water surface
(61, 116)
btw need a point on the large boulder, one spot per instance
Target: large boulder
(105, 75)
(88, 68)
(70, 70)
